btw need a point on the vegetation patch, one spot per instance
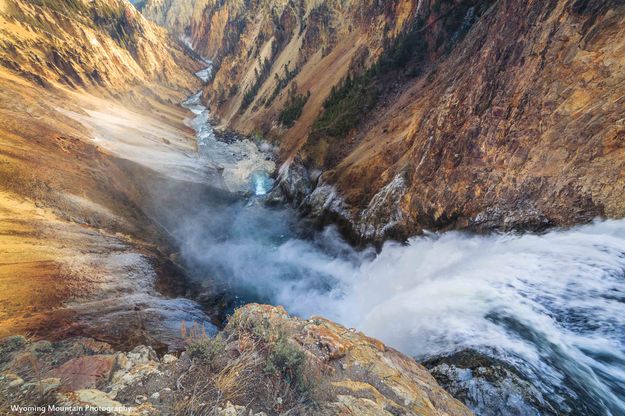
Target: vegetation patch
(281, 82)
(293, 107)
(252, 361)
(206, 349)
(289, 362)
(347, 105)
(260, 77)
(10, 344)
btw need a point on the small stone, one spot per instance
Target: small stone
(140, 399)
(51, 383)
(169, 358)
(155, 396)
(142, 355)
(8, 375)
(231, 410)
(16, 382)
(121, 361)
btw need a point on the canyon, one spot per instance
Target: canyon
(99, 158)
(424, 115)
(444, 175)
(77, 79)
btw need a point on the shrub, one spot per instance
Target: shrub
(289, 362)
(238, 376)
(282, 82)
(293, 107)
(11, 344)
(347, 105)
(261, 76)
(206, 349)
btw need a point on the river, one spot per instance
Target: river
(547, 309)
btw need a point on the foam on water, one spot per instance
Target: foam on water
(552, 304)
(207, 73)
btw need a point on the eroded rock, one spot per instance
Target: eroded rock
(279, 364)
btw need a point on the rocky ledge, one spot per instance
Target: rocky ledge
(262, 363)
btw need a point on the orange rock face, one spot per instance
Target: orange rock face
(497, 115)
(105, 44)
(72, 72)
(510, 130)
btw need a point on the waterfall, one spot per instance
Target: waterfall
(550, 306)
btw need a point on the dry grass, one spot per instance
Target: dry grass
(199, 399)
(252, 363)
(203, 389)
(215, 377)
(232, 380)
(30, 369)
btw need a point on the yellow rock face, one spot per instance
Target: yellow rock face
(105, 43)
(76, 79)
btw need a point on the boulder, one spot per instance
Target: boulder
(84, 372)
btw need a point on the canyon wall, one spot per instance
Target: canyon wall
(434, 114)
(89, 94)
(176, 16)
(89, 44)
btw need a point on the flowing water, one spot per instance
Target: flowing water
(551, 306)
(241, 162)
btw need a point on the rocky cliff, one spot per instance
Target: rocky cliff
(89, 113)
(89, 44)
(176, 16)
(263, 362)
(433, 114)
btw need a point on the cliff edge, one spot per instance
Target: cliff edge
(263, 363)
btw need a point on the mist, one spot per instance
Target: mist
(550, 304)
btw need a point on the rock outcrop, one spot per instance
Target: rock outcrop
(263, 363)
(89, 114)
(433, 114)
